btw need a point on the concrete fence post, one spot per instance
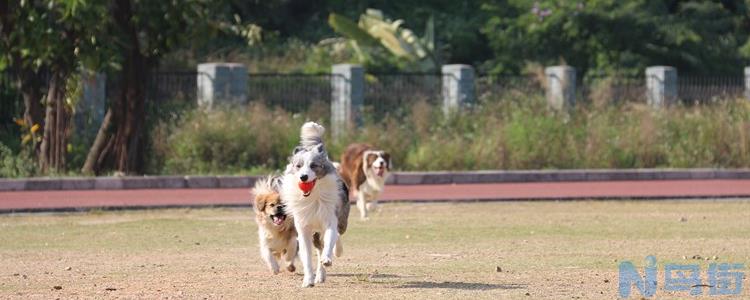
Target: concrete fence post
(561, 87)
(661, 86)
(458, 87)
(90, 108)
(348, 89)
(747, 83)
(222, 83)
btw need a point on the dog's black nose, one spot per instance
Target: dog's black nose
(303, 178)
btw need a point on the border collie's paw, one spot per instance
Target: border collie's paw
(307, 282)
(326, 261)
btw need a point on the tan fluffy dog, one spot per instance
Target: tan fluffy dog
(276, 233)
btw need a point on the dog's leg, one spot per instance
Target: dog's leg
(320, 275)
(372, 203)
(362, 205)
(339, 248)
(291, 253)
(305, 248)
(270, 260)
(329, 241)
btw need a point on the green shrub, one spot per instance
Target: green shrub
(513, 133)
(522, 133)
(14, 165)
(225, 140)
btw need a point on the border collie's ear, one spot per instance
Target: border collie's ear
(387, 157)
(297, 149)
(320, 148)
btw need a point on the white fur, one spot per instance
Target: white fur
(368, 192)
(311, 134)
(315, 212)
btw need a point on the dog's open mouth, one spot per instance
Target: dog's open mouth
(278, 219)
(379, 171)
(307, 187)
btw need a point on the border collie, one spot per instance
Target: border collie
(365, 170)
(318, 200)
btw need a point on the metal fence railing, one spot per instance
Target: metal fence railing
(702, 89)
(172, 86)
(395, 93)
(611, 89)
(292, 92)
(490, 87)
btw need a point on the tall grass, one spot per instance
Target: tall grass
(525, 134)
(515, 133)
(227, 140)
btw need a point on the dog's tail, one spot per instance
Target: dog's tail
(339, 250)
(311, 134)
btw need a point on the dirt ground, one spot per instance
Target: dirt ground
(517, 250)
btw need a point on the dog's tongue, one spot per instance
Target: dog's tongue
(279, 220)
(306, 187)
(380, 171)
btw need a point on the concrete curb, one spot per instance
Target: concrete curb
(397, 178)
(65, 209)
(406, 178)
(126, 183)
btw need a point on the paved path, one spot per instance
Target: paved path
(664, 189)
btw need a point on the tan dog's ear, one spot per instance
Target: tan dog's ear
(260, 203)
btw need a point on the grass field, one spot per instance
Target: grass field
(561, 250)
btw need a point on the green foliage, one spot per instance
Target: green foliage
(382, 43)
(510, 133)
(694, 36)
(525, 134)
(227, 140)
(14, 165)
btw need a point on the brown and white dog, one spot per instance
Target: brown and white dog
(365, 170)
(276, 234)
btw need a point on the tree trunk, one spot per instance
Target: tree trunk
(119, 143)
(31, 90)
(54, 140)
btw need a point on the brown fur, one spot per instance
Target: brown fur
(351, 164)
(364, 180)
(277, 237)
(265, 207)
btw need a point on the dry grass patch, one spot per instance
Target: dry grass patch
(545, 249)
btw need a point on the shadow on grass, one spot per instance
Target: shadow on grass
(460, 285)
(367, 275)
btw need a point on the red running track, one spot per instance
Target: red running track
(666, 189)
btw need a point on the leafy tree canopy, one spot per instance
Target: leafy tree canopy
(619, 36)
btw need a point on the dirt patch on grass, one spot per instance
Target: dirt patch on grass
(524, 250)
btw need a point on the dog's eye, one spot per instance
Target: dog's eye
(298, 166)
(313, 166)
(273, 205)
